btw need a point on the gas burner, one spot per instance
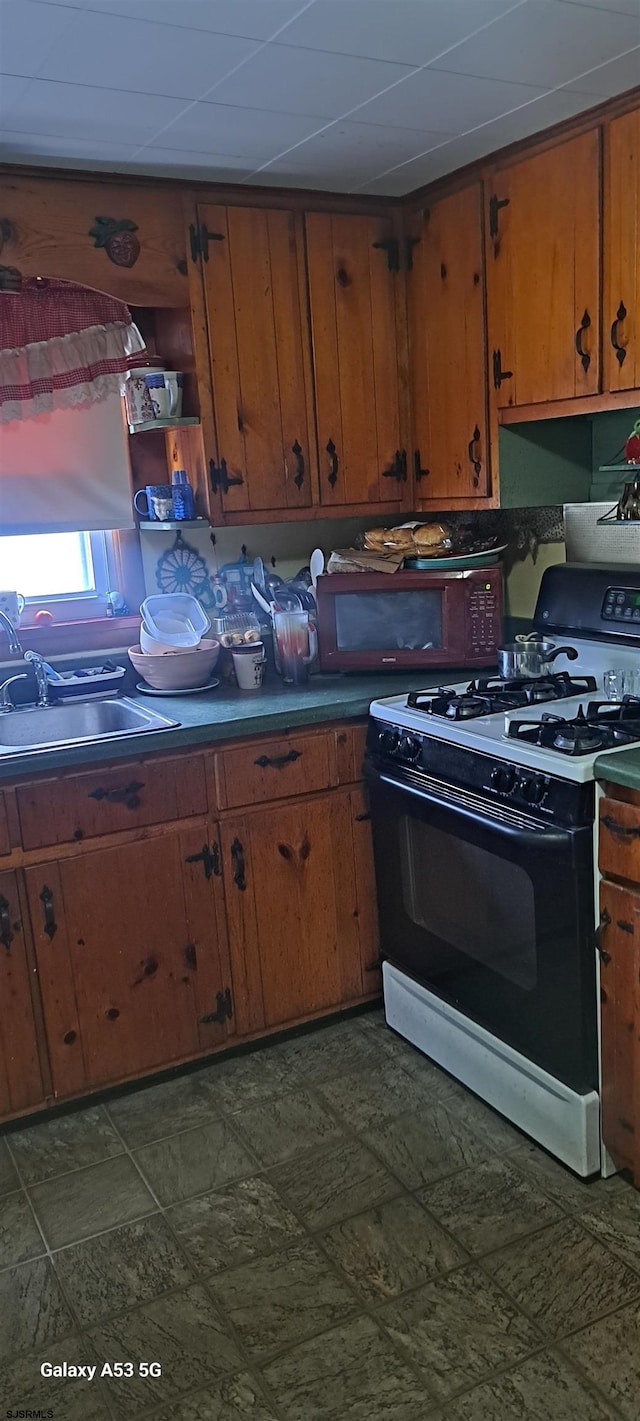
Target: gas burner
(602, 728)
(491, 694)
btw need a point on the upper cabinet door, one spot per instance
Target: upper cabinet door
(542, 232)
(446, 312)
(253, 273)
(355, 291)
(621, 287)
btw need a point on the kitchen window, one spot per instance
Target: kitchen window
(67, 574)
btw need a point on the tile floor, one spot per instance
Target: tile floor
(328, 1229)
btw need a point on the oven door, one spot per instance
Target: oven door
(493, 911)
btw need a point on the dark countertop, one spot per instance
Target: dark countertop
(226, 714)
(622, 768)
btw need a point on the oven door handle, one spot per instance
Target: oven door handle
(486, 815)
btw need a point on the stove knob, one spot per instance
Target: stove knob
(388, 741)
(533, 789)
(503, 778)
(409, 749)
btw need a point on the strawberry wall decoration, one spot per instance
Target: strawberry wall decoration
(117, 237)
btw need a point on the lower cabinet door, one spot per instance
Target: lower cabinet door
(128, 946)
(293, 909)
(619, 948)
(20, 1077)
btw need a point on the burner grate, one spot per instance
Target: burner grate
(605, 725)
(491, 694)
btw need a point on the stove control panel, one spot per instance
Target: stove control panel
(400, 744)
(521, 786)
(622, 604)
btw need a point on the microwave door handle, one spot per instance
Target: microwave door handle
(488, 816)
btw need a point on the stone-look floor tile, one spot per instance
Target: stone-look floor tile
(458, 1330)
(286, 1126)
(247, 1080)
(90, 1201)
(609, 1353)
(278, 1301)
(390, 1249)
(20, 1237)
(319, 1055)
(562, 1277)
(422, 1148)
(327, 1188)
(489, 1205)
(238, 1399)
(365, 1100)
(615, 1220)
(231, 1226)
(194, 1162)
(490, 1127)
(560, 1184)
(182, 1332)
(32, 1309)
(113, 1272)
(23, 1389)
(8, 1177)
(545, 1388)
(166, 1109)
(351, 1372)
(64, 1143)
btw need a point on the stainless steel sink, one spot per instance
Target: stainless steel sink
(76, 723)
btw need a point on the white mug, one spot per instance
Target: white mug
(12, 604)
(248, 664)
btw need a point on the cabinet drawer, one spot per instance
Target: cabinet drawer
(619, 850)
(109, 800)
(273, 769)
(5, 842)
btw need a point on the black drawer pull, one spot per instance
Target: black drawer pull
(50, 924)
(128, 795)
(277, 762)
(632, 832)
(605, 920)
(585, 358)
(620, 350)
(472, 454)
(297, 450)
(6, 935)
(237, 859)
(332, 476)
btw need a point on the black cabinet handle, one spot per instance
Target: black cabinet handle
(495, 204)
(297, 450)
(6, 935)
(585, 358)
(498, 373)
(333, 463)
(620, 350)
(631, 832)
(128, 794)
(277, 762)
(50, 924)
(418, 472)
(472, 455)
(599, 934)
(237, 859)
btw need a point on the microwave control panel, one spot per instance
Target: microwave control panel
(484, 613)
(622, 604)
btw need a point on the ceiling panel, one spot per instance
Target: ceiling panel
(217, 167)
(11, 91)
(305, 81)
(252, 19)
(355, 148)
(115, 53)
(28, 31)
(19, 147)
(256, 133)
(612, 78)
(446, 103)
(544, 42)
(66, 110)
(623, 7)
(407, 31)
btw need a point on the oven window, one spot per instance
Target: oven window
(373, 621)
(471, 899)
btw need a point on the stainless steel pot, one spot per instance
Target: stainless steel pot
(530, 658)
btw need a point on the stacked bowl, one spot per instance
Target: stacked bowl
(174, 654)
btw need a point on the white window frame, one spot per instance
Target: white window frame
(79, 606)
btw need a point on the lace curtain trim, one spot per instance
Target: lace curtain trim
(73, 369)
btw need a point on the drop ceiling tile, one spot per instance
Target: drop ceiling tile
(66, 110)
(545, 42)
(252, 19)
(11, 91)
(445, 103)
(406, 31)
(612, 78)
(306, 81)
(28, 31)
(26, 147)
(112, 52)
(284, 176)
(171, 162)
(357, 148)
(624, 7)
(258, 134)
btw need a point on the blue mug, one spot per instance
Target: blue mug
(159, 503)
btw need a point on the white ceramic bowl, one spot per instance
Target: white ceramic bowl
(181, 671)
(151, 647)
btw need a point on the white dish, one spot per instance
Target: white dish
(189, 691)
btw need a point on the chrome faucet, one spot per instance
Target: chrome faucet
(12, 636)
(6, 703)
(34, 659)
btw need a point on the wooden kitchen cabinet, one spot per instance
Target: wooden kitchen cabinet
(542, 229)
(300, 908)
(448, 355)
(258, 339)
(356, 293)
(21, 1084)
(131, 955)
(621, 253)
(619, 944)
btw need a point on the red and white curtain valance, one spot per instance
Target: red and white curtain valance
(61, 345)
